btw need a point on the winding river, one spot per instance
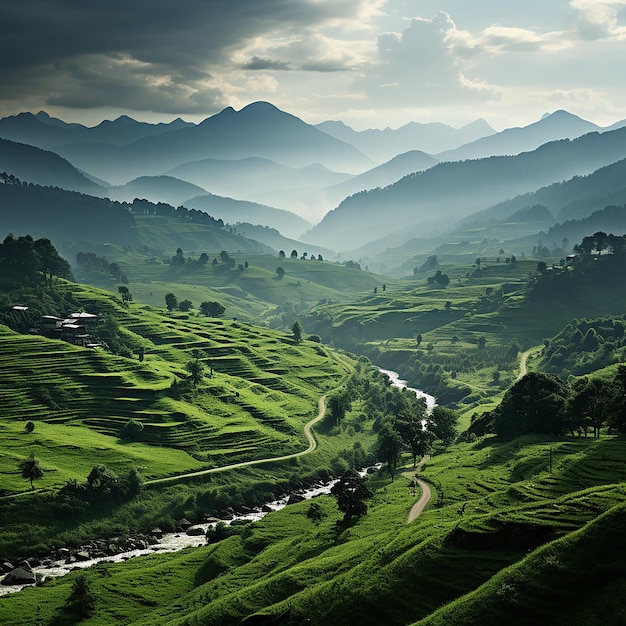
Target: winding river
(172, 542)
(396, 381)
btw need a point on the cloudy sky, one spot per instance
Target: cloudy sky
(371, 63)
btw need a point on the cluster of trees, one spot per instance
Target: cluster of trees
(414, 430)
(210, 308)
(305, 255)
(30, 259)
(403, 423)
(599, 264)
(600, 242)
(89, 264)
(545, 404)
(100, 481)
(584, 346)
(145, 207)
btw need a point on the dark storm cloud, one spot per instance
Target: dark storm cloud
(258, 63)
(138, 52)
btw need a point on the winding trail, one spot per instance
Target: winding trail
(420, 505)
(523, 359)
(307, 432)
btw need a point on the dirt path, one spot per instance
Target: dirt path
(523, 359)
(420, 505)
(307, 432)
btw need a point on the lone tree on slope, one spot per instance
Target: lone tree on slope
(351, 492)
(296, 329)
(30, 470)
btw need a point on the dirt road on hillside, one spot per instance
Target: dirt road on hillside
(307, 432)
(420, 505)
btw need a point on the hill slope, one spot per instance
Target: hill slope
(557, 125)
(42, 167)
(451, 191)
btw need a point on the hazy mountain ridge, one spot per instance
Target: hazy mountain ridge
(259, 130)
(273, 238)
(44, 131)
(511, 141)
(382, 145)
(42, 167)
(255, 179)
(577, 197)
(62, 215)
(156, 189)
(385, 174)
(233, 211)
(451, 191)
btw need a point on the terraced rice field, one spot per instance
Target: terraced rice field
(257, 391)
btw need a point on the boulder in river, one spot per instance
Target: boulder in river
(195, 532)
(19, 576)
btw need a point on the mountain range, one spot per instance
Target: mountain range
(382, 145)
(258, 130)
(263, 166)
(450, 191)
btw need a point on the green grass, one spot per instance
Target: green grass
(263, 390)
(523, 525)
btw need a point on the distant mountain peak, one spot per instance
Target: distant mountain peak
(260, 105)
(479, 124)
(560, 114)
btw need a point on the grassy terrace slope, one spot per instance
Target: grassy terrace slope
(253, 293)
(264, 388)
(470, 331)
(533, 546)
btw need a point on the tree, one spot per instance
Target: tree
(224, 257)
(297, 331)
(351, 492)
(212, 309)
(442, 423)
(338, 405)
(542, 267)
(51, 263)
(482, 342)
(416, 438)
(389, 448)
(280, 272)
(281, 254)
(171, 301)
(31, 471)
(82, 598)
(185, 305)
(535, 404)
(102, 478)
(29, 427)
(125, 293)
(593, 401)
(132, 430)
(294, 254)
(195, 369)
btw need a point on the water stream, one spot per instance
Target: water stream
(431, 401)
(172, 542)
